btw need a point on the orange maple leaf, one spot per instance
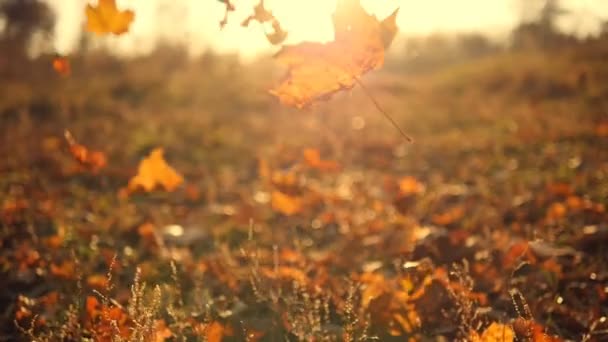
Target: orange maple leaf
(107, 18)
(318, 70)
(154, 171)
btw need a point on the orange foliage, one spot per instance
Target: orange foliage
(93, 160)
(100, 318)
(107, 18)
(312, 158)
(317, 71)
(61, 65)
(154, 171)
(285, 204)
(448, 217)
(410, 186)
(496, 332)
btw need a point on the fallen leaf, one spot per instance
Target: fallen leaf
(154, 171)
(410, 186)
(214, 332)
(312, 157)
(93, 160)
(62, 66)
(107, 18)
(496, 332)
(285, 204)
(448, 217)
(318, 70)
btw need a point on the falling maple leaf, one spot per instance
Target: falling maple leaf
(263, 15)
(94, 160)
(229, 8)
(154, 171)
(318, 70)
(107, 18)
(62, 66)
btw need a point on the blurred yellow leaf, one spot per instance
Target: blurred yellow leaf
(318, 70)
(107, 18)
(285, 204)
(410, 186)
(154, 171)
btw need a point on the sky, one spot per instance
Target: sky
(196, 22)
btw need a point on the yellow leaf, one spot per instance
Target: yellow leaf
(107, 18)
(285, 204)
(496, 332)
(316, 71)
(154, 171)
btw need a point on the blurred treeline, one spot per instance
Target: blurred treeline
(27, 26)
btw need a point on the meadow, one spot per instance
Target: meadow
(320, 224)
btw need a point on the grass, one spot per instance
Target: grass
(507, 226)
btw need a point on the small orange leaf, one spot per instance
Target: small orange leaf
(94, 160)
(285, 204)
(63, 270)
(62, 66)
(214, 332)
(448, 217)
(496, 332)
(601, 130)
(410, 186)
(161, 331)
(556, 211)
(106, 18)
(312, 157)
(154, 171)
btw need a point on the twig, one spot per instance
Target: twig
(381, 110)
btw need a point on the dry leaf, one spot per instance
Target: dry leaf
(285, 204)
(496, 332)
(62, 66)
(154, 171)
(262, 15)
(107, 18)
(317, 71)
(214, 332)
(312, 157)
(410, 186)
(93, 160)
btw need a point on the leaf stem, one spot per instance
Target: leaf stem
(381, 110)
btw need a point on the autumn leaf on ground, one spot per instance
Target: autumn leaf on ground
(154, 171)
(93, 160)
(107, 18)
(262, 15)
(496, 332)
(312, 157)
(318, 70)
(61, 65)
(285, 204)
(410, 186)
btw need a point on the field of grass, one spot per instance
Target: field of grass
(495, 214)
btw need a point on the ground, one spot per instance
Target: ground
(493, 221)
